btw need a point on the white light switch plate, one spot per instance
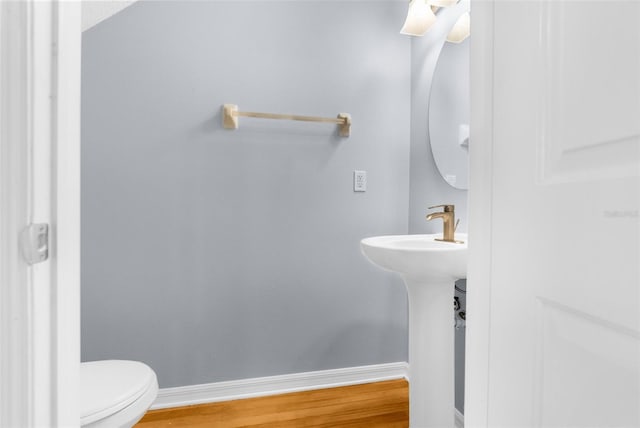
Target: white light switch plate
(359, 181)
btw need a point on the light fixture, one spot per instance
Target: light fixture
(442, 3)
(461, 29)
(419, 18)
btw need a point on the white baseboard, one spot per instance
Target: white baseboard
(272, 385)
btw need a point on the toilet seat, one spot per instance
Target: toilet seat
(115, 393)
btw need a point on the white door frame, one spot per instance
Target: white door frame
(480, 217)
(40, 183)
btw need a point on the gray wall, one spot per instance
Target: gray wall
(427, 187)
(213, 254)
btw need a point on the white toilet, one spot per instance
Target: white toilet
(115, 393)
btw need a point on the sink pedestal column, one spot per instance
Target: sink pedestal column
(431, 353)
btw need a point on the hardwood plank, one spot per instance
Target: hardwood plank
(373, 405)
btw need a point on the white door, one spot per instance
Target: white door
(554, 276)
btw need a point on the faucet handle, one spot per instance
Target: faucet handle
(447, 207)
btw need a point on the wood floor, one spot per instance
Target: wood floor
(373, 405)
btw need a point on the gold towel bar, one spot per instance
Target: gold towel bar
(230, 116)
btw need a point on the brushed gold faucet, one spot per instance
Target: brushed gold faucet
(448, 216)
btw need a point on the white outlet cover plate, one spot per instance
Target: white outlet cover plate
(359, 181)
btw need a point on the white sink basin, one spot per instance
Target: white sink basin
(429, 269)
(418, 256)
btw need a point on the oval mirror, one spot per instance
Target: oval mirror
(449, 114)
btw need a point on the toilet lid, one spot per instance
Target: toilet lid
(109, 386)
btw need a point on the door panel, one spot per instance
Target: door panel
(589, 62)
(595, 358)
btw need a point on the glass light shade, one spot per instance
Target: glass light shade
(442, 3)
(461, 29)
(419, 18)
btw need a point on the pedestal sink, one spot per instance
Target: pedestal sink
(429, 269)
